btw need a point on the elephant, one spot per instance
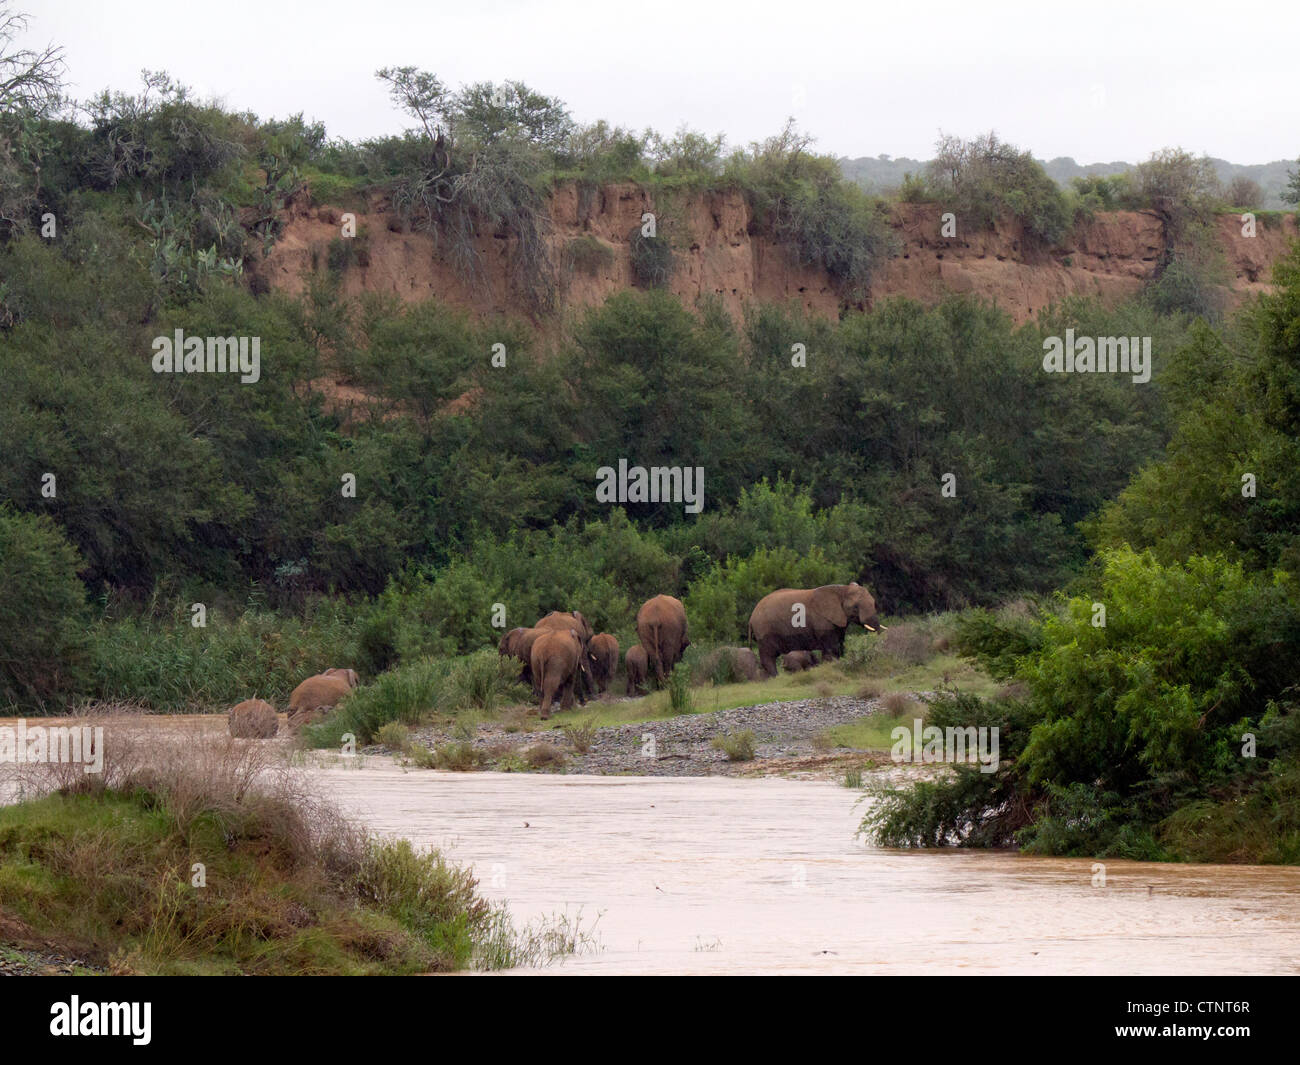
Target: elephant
(253, 719)
(744, 663)
(636, 665)
(661, 628)
(518, 643)
(561, 621)
(797, 661)
(747, 664)
(604, 659)
(558, 660)
(321, 692)
(730, 665)
(809, 619)
(558, 619)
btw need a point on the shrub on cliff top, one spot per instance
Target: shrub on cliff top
(984, 178)
(803, 201)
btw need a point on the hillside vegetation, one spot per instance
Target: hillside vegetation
(187, 540)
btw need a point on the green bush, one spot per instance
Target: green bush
(984, 178)
(42, 612)
(1127, 723)
(679, 690)
(804, 202)
(406, 695)
(653, 260)
(414, 690)
(738, 746)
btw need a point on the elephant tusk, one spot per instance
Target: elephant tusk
(869, 628)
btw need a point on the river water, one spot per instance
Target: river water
(720, 875)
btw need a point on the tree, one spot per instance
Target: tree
(42, 609)
(984, 178)
(1244, 192)
(1179, 187)
(1291, 194)
(31, 80)
(421, 95)
(486, 113)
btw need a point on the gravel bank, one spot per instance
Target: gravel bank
(784, 735)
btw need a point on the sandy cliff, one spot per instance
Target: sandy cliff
(721, 253)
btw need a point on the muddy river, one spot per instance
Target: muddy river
(723, 875)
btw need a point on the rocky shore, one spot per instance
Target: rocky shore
(789, 738)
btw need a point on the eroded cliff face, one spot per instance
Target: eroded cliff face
(720, 254)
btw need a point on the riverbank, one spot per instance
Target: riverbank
(819, 738)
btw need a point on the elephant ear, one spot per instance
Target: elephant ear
(827, 603)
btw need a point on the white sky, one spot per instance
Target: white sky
(1099, 81)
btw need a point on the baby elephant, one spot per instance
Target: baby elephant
(253, 719)
(797, 661)
(604, 659)
(319, 693)
(637, 663)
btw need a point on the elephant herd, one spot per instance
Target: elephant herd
(561, 655)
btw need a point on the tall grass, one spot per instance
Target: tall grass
(167, 664)
(679, 690)
(216, 857)
(480, 681)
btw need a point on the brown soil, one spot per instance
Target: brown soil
(721, 255)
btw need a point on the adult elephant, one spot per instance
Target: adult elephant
(604, 659)
(561, 621)
(316, 694)
(661, 628)
(558, 660)
(809, 619)
(518, 643)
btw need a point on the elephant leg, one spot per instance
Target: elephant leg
(767, 658)
(833, 645)
(546, 688)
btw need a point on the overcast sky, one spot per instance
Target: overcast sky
(1098, 81)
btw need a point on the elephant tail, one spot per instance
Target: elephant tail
(656, 642)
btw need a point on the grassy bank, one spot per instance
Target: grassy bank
(212, 859)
